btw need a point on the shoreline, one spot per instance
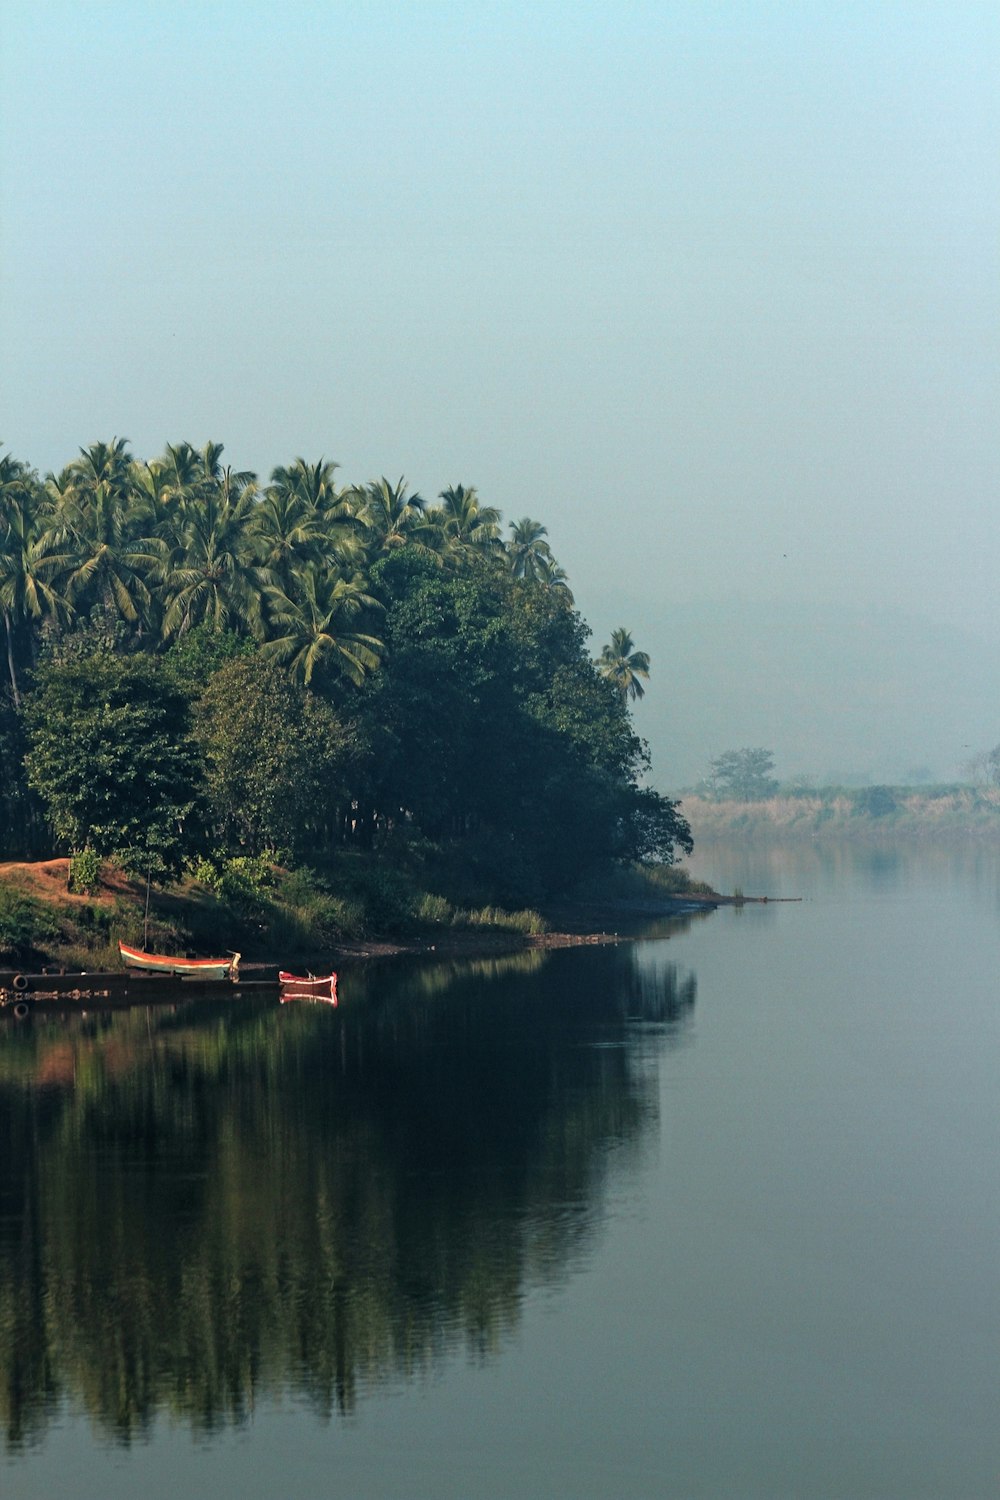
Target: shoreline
(64, 940)
(575, 925)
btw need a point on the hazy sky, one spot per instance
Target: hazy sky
(711, 289)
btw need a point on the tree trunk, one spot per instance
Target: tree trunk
(10, 659)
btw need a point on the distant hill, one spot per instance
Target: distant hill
(838, 694)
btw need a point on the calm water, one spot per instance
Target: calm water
(714, 1214)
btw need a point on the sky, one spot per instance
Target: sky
(710, 289)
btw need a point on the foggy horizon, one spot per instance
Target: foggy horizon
(711, 292)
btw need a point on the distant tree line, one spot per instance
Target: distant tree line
(198, 660)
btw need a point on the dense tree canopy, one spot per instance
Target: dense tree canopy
(113, 760)
(277, 759)
(356, 661)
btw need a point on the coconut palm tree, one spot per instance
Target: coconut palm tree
(28, 564)
(102, 522)
(623, 665)
(211, 575)
(529, 553)
(182, 468)
(390, 518)
(312, 484)
(556, 578)
(156, 486)
(315, 626)
(286, 533)
(304, 517)
(467, 527)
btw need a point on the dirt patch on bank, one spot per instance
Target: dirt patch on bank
(46, 880)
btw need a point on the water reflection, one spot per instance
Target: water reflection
(202, 1209)
(814, 868)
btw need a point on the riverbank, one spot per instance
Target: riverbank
(871, 814)
(575, 924)
(294, 921)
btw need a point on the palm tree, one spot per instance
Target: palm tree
(28, 563)
(391, 518)
(305, 517)
(182, 468)
(314, 627)
(312, 484)
(467, 527)
(156, 486)
(529, 553)
(211, 575)
(101, 520)
(285, 533)
(622, 665)
(557, 579)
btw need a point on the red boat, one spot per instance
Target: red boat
(183, 968)
(307, 986)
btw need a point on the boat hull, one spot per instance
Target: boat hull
(179, 968)
(308, 986)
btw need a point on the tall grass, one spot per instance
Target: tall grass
(529, 922)
(435, 911)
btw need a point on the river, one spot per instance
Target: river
(714, 1213)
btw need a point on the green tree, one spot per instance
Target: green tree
(743, 775)
(492, 727)
(277, 758)
(876, 801)
(110, 755)
(20, 827)
(623, 665)
(196, 656)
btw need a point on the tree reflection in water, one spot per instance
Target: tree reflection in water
(205, 1208)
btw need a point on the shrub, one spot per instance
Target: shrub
(243, 881)
(877, 801)
(84, 871)
(388, 900)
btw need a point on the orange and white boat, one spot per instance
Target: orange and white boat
(181, 968)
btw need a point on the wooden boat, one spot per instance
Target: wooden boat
(307, 986)
(181, 968)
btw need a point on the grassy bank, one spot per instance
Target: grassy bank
(268, 913)
(871, 813)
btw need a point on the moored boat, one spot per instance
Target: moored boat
(308, 986)
(181, 968)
